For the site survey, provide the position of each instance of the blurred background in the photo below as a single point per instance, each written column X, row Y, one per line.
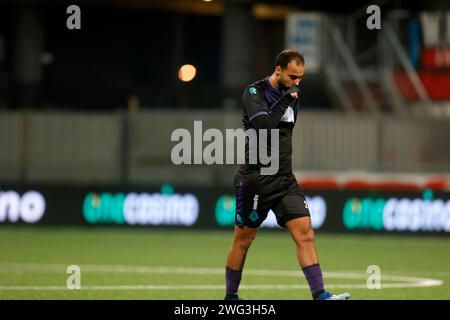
column 86, row 114
column 91, row 92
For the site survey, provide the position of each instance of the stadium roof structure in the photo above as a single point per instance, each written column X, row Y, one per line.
column 261, row 8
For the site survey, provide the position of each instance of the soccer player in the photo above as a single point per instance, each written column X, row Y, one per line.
column 272, row 103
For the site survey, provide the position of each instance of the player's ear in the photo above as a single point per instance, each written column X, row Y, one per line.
column 278, row 70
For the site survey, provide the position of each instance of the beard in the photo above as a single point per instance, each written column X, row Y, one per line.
column 282, row 85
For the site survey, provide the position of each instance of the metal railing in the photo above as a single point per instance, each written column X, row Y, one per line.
column 340, row 65
column 377, row 64
column 392, row 47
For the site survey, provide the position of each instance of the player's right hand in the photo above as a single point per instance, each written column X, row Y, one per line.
column 293, row 91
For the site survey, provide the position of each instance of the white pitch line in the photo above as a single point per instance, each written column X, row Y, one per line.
column 406, row 282
column 202, row 287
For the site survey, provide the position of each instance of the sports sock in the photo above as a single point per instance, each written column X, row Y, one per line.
column 314, row 277
column 233, row 278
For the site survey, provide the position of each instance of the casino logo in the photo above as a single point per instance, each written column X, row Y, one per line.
column 30, row 207
column 426, row 214
column 165, row 208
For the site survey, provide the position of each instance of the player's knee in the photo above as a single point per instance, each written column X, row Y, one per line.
column 306, row 234
column 244, row 242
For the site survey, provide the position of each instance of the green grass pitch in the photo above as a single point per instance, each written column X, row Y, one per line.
column 189, row 264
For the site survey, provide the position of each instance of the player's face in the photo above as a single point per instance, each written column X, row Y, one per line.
column 290, row 76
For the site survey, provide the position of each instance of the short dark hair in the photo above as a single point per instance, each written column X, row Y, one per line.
column 288, row 55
